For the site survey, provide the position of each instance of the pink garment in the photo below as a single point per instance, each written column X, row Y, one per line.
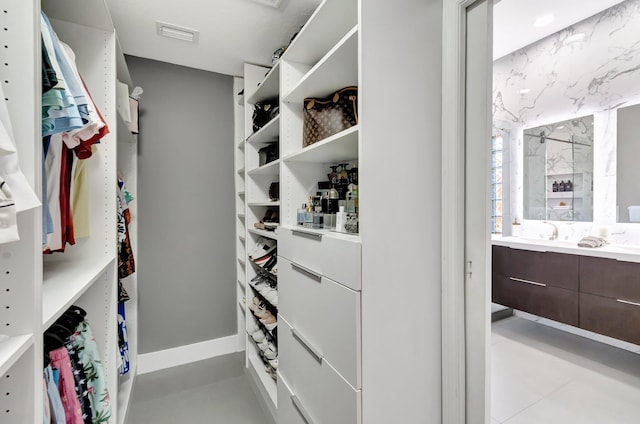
column 67, row 385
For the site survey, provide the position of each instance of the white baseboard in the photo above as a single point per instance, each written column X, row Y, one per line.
column 159, row 360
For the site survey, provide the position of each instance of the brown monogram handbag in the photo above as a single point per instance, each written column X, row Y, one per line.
column 328, row 116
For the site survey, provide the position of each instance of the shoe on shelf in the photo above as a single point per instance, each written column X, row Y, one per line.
column 274, row 363
column 258, row 336
column 270, row 263
column 272, row 297
column 263, row 345
column 252, row 326
column 263, row 260
column 267, row 316
column 264, row 247
column 257, row 304
column 271, row 351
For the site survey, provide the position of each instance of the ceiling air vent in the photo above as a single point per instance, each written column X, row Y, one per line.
column 272, row 3
column 165, row 29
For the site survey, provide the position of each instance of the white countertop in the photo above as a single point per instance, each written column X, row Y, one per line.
column 618, row 252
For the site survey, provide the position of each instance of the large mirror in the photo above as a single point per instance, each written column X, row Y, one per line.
column 628, row 170
column 558, row 171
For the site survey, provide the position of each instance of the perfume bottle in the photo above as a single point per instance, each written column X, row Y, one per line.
column 318, row 218
column 301, row 213
column 308, row 215
column 352, row 199
column 341, row 219
column 333, row 175
column 554, row 187
column 332, row 206
column 568, row 186
column 561, row 186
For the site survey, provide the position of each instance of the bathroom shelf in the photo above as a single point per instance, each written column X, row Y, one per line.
column 565, row 195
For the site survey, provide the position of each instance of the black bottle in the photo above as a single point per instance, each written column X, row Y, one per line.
column 568, row 186
column 555, row 186
column 561, row 186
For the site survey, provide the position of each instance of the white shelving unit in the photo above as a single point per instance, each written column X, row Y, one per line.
column 37, row 288
column 241, row 194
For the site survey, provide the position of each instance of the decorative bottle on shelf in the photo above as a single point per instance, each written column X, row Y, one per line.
column 568, row 186
column 308, row 215
column 301, row 212
column 555, row 187
column 561, row 186
column 352, row 199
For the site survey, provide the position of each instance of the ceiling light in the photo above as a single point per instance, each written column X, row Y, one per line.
column 524, row 90
column 575, row 38
column 272, row 3
column 174, row 31
column 543, row 20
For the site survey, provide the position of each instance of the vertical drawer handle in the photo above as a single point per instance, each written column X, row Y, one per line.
column 307, row 271
column 306, row 234
column 627, row 302
column 305, row 343
column 527, row 281
column 301, row 409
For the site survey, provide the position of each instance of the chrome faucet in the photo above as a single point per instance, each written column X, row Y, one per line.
column 554, row 234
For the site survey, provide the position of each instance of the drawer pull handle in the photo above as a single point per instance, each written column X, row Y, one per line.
column 301, row 409
column 627, row 302
column 305, row 343
column 527, row 281
column 306, row 234
column 306, row 271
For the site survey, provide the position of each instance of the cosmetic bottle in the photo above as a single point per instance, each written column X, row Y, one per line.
column 515, row 228
column 308, row 215
column 318, row 218
column 568, row 186
column 561, row 186
column 341, row 219
column 301, row 213
column 332, row 207
column 352, row 199
column 555, row 187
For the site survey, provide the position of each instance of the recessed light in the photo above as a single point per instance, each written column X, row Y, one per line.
column 524, row 90
column 575, row 38
column 543, row 20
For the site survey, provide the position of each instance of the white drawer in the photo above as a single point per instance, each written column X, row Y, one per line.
column 323, row 394
column 290, row 409
column 336, row 256
column 326, row 313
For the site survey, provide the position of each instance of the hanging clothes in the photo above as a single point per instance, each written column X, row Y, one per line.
column 66, row 385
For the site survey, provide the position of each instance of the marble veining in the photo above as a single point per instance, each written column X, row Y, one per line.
column 556, row 79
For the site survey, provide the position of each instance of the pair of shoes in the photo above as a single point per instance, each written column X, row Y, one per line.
column 264, row 247
column 269, row 264
column 271, row 352
column 261, row 262
column 258, row 336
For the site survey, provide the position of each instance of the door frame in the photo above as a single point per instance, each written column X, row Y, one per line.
column 456, row 384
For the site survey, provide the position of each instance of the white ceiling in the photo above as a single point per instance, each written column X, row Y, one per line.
column 236, row 31
column 231, row 31
column 513, row 20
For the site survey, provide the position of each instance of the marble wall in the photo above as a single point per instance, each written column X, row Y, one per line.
column 590, row 68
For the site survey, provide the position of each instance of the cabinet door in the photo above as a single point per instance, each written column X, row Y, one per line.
column 610, row 278
column 611, row 317
column 553, row 269
column 546, row 301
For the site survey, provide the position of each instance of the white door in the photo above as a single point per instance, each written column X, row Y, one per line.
column 478, row 83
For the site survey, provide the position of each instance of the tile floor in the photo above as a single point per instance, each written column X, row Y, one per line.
column 542, row 375
column 214, row 391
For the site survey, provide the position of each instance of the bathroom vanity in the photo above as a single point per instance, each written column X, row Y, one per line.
column 594, row 289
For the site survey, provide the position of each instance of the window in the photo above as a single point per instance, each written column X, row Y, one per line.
column 496, row 184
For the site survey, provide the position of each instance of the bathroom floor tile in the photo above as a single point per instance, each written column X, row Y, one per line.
column 592, row 399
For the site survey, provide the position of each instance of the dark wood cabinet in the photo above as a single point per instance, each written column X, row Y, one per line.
column 596, row 294
column 611, row 317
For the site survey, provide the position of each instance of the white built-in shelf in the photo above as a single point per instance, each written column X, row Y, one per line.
column 241, row 193
column 564, row 195
column 264, row 233
column 339, row 147
column 123, row 133
column 322, row 31
column 242, row 238
column 276, row 203
column 241, row 261
column 336, row 70
column 125, row 391
column 242, row 306
column 241, row 145
column 241, row 215
column 259, row 367
column 12, row 349
column 272, row 168
column 267, row 134
column 65, row 281
column 241, row 100
column 242, row 284
column 269, row 88
column 240, row 171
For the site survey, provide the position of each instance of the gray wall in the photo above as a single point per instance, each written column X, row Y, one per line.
column 186, row 270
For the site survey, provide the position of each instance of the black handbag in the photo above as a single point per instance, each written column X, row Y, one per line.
column 328, row 116
column 264, row 112
column 268, row 154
